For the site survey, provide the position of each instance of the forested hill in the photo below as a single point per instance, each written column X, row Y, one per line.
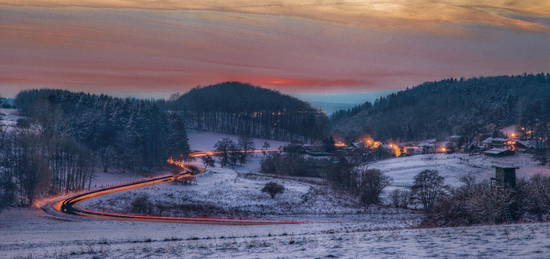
column 451, row 106
column 239, row 97
column 239, row 108
column 120, row 133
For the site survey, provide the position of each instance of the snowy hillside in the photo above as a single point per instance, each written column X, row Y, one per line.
column 223, row 192
column 454, row 166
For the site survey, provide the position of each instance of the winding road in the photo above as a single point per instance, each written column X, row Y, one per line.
column 70, row 205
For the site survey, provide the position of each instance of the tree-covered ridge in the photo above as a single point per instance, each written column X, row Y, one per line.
column 452, row 106
column 239, row 97
column 238, row 108
column 122, row 133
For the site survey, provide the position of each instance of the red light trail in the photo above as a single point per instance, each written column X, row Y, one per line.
column 69, row 205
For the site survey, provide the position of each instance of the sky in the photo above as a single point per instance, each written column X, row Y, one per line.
column 330, row 50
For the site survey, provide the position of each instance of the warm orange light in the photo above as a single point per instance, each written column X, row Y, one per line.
column 442, row 150
column 511, row 144
column 396, row 149
column 368, row 142
column 340, row 144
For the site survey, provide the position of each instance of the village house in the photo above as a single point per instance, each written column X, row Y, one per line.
column 491, row 142
column 428, row 146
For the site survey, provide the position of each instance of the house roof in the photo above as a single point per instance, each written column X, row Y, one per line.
column 497, row 151
column 490, row 140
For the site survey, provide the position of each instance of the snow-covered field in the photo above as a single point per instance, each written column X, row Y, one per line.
column 236, row 193
column 233, row 193
column 454, row 166
column 27, row 233
column 205, row 141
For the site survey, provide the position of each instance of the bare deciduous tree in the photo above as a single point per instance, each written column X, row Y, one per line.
column 226, row 148
column 428, row 187
column 400, row 198
column 371, row 183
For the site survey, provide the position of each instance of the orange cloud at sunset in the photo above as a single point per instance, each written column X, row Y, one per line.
column 385, row 13
column 351, row 46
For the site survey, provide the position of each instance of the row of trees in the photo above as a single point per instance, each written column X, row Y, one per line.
column 238, row 108
column 127, row 134
column 33, row 164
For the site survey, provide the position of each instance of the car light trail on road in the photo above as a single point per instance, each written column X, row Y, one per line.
column 69, row 205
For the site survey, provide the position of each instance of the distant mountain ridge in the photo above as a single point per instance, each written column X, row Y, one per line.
column 451, row 106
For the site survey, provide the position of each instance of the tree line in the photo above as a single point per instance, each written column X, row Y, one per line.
column 230, row 152
column 238, row 108
column 33, row 164
column 127, row 134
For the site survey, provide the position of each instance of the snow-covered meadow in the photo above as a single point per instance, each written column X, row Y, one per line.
column 27, row 233
column 229, row 193
column 454, row 166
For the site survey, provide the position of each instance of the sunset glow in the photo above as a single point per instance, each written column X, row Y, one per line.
column 162, row 47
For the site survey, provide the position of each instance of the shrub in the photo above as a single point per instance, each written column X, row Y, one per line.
column 482, row 203
column 472, row 204
column 273, row 188
column 23, row 123
column 141, row 204
column 287, row 164
column 371, row 184
column 400, row 198
column 536, row 195
column 428, row 188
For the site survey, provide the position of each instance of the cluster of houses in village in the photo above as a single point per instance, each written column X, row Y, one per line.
column 490, row 146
